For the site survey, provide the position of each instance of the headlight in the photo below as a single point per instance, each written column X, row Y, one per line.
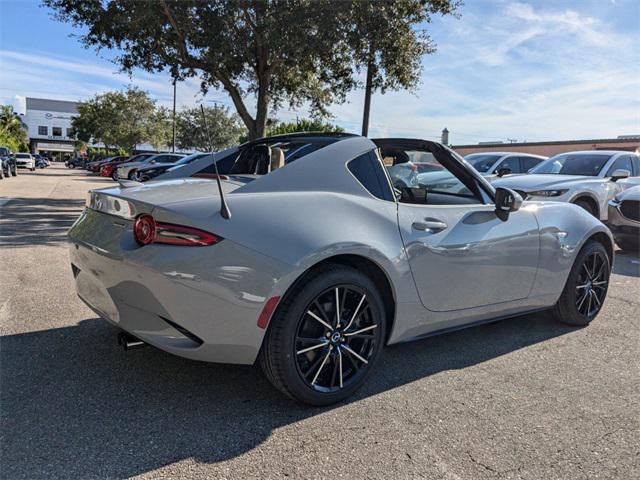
column 547, row 193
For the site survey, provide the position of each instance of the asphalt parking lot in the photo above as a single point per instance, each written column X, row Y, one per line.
column 523, row 398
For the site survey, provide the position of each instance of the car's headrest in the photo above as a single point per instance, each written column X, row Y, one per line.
column 277, row 158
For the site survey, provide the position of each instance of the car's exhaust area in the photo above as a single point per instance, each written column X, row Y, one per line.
column 129, row 342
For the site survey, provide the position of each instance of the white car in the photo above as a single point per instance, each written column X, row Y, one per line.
column 503, row 163
column 25, row 160
column 589, row 179
column 128, row 170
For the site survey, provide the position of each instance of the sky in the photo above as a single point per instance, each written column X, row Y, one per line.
column 503, row 70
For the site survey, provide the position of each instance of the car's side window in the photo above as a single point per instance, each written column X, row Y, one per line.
column 419, row 178
column 512, row 163
column 635, row 161
column 529, row 162
column 623, row 163
column 368, row 171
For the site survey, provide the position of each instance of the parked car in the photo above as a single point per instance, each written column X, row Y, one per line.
column 503, row 163
column 129, row 170
column 624, row 219
column 310, row 267
column 94, row 167
column 41, row 162
column 74, row 162
column 147, row 173
column 589, row 179
column 25, row 160
column 110, row 169
column 8, row 166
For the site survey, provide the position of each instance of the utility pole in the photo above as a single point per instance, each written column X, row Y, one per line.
column 173, row 142
column 367, row 98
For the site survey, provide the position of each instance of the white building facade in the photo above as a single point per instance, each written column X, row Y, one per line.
column 48, row 124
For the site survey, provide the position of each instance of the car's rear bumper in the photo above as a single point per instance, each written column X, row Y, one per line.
column 201, row 303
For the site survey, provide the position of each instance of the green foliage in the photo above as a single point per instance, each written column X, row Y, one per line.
column 223, row 127
column 303, row 125
column 121, row 119
column 274, row 51
column 295, row 52
column 12, row 131
column 388, row 37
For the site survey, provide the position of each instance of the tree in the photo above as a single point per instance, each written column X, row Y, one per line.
column 386, row 44
column 122, row 119
column 304, row 125
column 224, row 129
column 12, row 131
column 273, row 51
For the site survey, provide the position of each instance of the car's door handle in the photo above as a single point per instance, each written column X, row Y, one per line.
column 430, row 225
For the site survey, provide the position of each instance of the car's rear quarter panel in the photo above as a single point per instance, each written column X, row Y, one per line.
column 215, row 292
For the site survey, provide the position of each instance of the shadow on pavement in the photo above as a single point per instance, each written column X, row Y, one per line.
column 626, row 264
column 74, row 405
column 26, row 222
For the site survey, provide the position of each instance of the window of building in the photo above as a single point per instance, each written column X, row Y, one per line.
column 43, row 130
column 57, row 131
column 70, row 132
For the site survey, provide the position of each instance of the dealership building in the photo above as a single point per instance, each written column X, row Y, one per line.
column 628, row 143
column 48, row 123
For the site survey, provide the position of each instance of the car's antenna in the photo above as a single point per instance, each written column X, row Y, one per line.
column 224, row 209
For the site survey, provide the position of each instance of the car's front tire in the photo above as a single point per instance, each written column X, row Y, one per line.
column 132, row 175
column 587, row 205
column 114, row 175
column 308, row 353
column 586, row 287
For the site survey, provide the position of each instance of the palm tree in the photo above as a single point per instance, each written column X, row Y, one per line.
column 12, row 131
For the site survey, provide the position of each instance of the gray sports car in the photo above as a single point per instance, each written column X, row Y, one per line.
column 303, row 253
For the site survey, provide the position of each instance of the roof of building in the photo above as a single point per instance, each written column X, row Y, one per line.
column 45, row 104
column 627, row 139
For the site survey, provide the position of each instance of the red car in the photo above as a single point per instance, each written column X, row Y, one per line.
column 110, row 169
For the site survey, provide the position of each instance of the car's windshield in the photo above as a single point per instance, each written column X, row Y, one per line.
column 482, row 162
column 23, row 155
column 573, row 164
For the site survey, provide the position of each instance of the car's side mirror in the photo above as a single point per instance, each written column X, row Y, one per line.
column 507, row 201
column 503, row 171
column 619, row 174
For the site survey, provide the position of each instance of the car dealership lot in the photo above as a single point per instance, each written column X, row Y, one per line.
column 522, row 398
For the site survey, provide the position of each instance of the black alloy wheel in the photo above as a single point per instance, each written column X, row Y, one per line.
column 336, row 338
column 586, row 287
column 593, row 280
column 325, row 336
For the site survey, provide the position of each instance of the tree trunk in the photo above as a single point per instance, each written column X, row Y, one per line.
column 367, row 98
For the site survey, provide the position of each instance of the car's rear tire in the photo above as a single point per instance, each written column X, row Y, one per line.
column 312, row 363
column 586, row 288
column 132, row 175
column 587, row 205
column 114, row 175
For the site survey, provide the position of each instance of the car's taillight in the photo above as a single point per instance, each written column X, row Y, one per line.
column 146, row 230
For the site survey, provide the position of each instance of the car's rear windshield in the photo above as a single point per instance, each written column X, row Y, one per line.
column 573, row 164
column 482, row 162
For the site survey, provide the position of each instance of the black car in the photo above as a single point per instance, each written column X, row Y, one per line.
column 7, row 163
column 147, row 173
